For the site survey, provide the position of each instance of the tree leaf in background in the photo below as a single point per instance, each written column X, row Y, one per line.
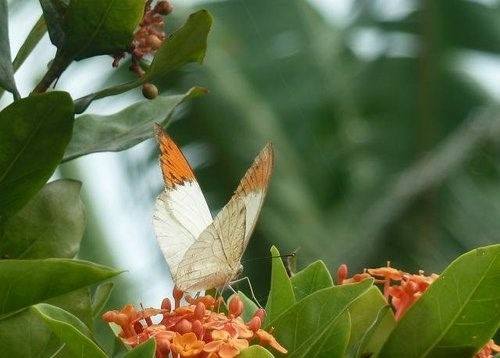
column 30, row 129
column 311, row 279
column 27, row 282
column 51, row 224
column 103, row 27
column 146, row 350
column 72, row 331
column 53, row 13
column 188, row 44
column 319, row 325
column 457, row 314
column 124, row 129
column 7, row 80
column 281, row 295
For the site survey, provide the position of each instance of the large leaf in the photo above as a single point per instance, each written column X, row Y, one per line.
column 124, row 129
column 188, row 44
column 50, row 225
column 42, row 342
column 27, row 282
column 281, row 294
column 100, row 27
column 311, row 279
column 457, row 314
column 34, row 132
column 6, row 70
column 70, row 330
column 319, row 325
column 372, row 321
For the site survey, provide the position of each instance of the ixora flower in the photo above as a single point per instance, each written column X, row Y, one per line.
column 401, row 290
column 198, row 329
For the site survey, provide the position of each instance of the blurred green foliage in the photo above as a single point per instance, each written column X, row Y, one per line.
column 385, row 156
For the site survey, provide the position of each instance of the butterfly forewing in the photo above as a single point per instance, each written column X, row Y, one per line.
column 253, row 188
column 181, row 212
column 214, row 259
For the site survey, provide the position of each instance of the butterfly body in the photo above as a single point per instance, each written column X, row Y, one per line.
column 202, row 252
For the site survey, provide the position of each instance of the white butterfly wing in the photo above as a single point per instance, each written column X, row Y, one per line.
column 181, row 212
column 214, row 258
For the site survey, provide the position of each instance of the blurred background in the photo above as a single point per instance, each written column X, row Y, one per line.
column 383, row 115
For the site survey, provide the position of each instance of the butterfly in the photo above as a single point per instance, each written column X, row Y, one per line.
column 204, row 252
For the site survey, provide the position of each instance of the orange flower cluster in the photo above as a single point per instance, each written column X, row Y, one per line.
column 195, row 330
column 402, row 289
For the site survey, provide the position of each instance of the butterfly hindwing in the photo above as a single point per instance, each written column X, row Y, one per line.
column 214, row 258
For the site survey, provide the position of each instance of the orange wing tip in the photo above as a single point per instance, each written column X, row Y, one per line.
column 257, row 177
column 174, row 166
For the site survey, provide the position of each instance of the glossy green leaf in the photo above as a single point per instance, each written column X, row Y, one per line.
column 372, row 321
column 281, row 295
column 146, row 349
column 15, row 328
column 100, row 27
column 124, row 129
column 457, row 314
column 27, row 282
column 34, row 132
column 51, row 224
column 255, row 351
column 311, row 279
column 319, row 325
column 53, row 13
column 72, row 331
column 188, row 44
column 7, row 80
column 101, row 297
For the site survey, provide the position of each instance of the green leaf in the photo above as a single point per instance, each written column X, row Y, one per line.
column 457, row 314
column 50, row 225
column 124, row 129
column 101, row 297
column 186, row 45
column 34, row 132
column 319, row 325
column 281, row 294
column 42, row 342
column 53, row 13
column 249, row 306
column 255, row 351
column 311, row 279
column 70, row 330
column 372, row 321
column 27, row 282
column 146, row 349
column 100, row 27
column 7, row 80
column 33, row 38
